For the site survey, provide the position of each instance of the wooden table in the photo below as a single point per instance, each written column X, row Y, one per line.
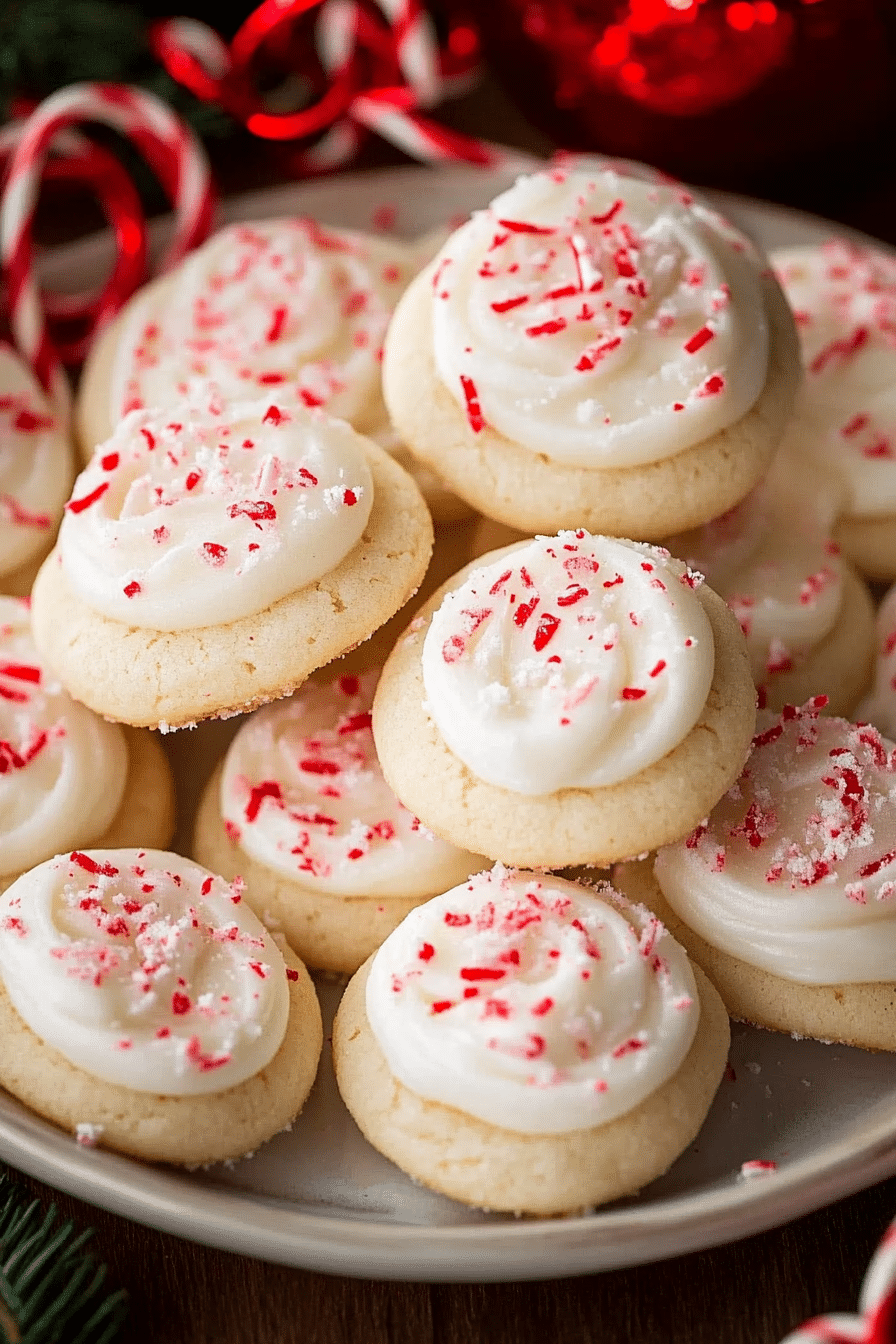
column 751, row 1292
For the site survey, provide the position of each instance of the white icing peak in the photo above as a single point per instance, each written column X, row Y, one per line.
column 533, row 1003
column 844, row 303
column 303, row 793
column 795, row 869
column 36, row 463
column 63, row 769
column 568, row 662
column 213, row 514
column 284, row 307
column 773, row 561
column 144, row 969
column 599, row 320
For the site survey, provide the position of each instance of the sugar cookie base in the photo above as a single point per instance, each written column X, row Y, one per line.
column 571, row 826
column 870, row 543
column 479, row 1164
column 841, row 665
column 329, row 933
column 863, row 1015
column 534, row 493
column 145, row 817
column 186, row 1131
column 172, row 679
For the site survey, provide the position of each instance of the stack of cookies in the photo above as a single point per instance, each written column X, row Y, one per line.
column 590, row 383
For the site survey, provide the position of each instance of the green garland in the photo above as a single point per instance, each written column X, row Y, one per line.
column 51, row 1290
column 46, row 44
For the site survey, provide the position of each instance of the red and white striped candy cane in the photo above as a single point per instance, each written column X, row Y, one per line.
column 170, row 148
column 876, row 1323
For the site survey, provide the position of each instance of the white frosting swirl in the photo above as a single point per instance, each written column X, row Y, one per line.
column 532, row 1003
column 63, row 769
column 143, row 969
column 303, row 793
column 880, row 704
column 773, row 561
column 213, row 514
column 599, row 320
column 36, row 465
column 569, row 662
column 844, row 303
column 283, row 308
column 795, row 870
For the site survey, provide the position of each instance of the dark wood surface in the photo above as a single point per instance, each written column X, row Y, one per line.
column 751, row 1292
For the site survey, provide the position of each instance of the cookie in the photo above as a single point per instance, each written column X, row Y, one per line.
column 68, row 779
column 525, row 1044
column 299, row 809
column 37, row 468
column 784, row 896
column 807, row 617
column 595, row 351
column 566, row 701
column 210, row 563
column 844, row 299
column 283, row 307
column 142, row 999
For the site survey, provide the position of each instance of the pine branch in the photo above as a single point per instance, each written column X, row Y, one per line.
column 51, row 1290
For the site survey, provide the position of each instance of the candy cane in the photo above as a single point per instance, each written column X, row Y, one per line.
column 877, row 1304
column 89, row 164
column 165, row 142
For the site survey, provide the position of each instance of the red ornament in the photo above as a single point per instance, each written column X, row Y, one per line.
column 706, row 89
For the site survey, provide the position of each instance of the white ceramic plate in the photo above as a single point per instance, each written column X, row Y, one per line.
column 320, row 1197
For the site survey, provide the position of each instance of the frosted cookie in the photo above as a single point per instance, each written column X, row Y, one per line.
column 566, row 701
column 879, row 706
column 300, row 809
column 595, row 351
column 139, row 995
column 807, row 617
column 37, row 468
column 210, row 562
column 284, row 308
column 522, row 1043
column 68, row 778
column 844, row 302
column 786, row 895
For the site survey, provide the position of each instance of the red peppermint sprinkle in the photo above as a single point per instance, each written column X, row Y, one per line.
column 608, row 215
column 523, row 226
column 550, row 328
column 274, row 416
column 27, row 422
column 269, row 788
column 625, row 267
column 857, row 423
column 842, row 349
column 628, row 1047
column 870, row 869
column 193, row 480
column 291, row 974
column 427, row 952
column 524, row 611
column 481, row 973
column 456, row 921
column 547, row 628
column 658, row 668
column 314, row 765
column 713, row 386
column 632, row 693
column 213, row 553
column 349, row 685
column 474, row 411
column 569, row 599
column 309, row 399
column 278, row 321
column 201, row 1060
column 258, row 511
column 150, row 439
column 355, row 723
column 543, row 1006
column 132, row 589
column 442, row 1006
column 698, row 340
column 109, row 462
column 180, row 1003
column 349, row 498
column 505, row 305
column 597, row 352
column 21, row 672
column 91, row 866
column 79, row 505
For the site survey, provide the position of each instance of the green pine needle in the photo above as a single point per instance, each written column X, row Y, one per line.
column 51, row 1290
